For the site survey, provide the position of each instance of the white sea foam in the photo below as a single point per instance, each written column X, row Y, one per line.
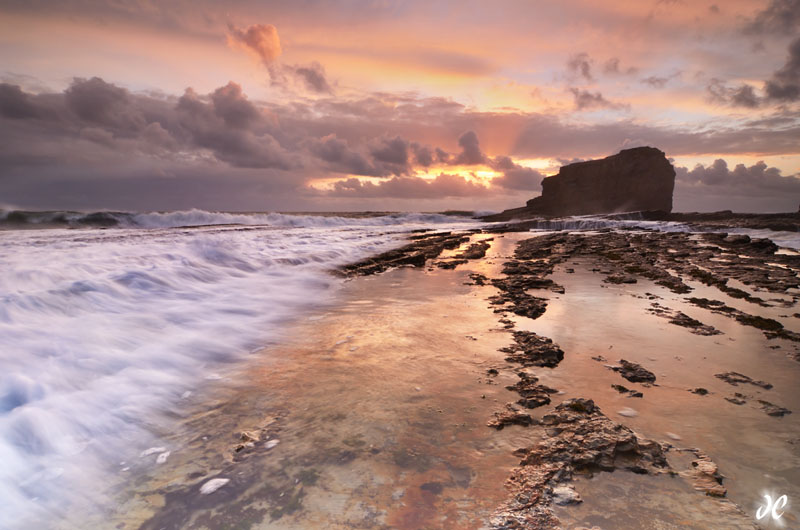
column 100, row 330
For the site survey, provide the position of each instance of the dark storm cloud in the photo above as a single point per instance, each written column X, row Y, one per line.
column 581, row 65
column 444, row 185
column 780, row 16
column 586, row 100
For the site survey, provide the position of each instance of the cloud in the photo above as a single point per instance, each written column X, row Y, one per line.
column 340, row 157
column 659, row 81
column 471, row 153
column 782, row 87
column 15, row 104
column 423, row 154
column 51, row 137
column 581, row 64
column 232, row 106
column 515, row 177
column 95, row 101
column 742, row 96
column 443, row 186
column 585, row 100
column 313, row 76
column 785, row 83
column 756, row 180
column 612, row 67
column 262, row 41
column 392, row 153
column 259, row 39
column 779, row 17
column 228, row 140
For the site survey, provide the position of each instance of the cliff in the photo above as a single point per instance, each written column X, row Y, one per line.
column 638, row 179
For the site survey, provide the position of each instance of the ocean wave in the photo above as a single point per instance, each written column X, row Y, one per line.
column 191, row 218
column 101, row 333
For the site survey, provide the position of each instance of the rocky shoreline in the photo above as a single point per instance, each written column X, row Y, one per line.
column 578, row 437
column 462, row 361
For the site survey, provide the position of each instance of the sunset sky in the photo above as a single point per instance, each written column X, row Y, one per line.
column 390, row 105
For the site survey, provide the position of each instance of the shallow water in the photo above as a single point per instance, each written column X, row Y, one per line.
column 380, row 403
column 103, row 332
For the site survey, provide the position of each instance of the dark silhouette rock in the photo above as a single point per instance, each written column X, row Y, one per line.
column 638, row 179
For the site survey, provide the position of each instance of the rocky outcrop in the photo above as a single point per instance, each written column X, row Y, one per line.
column 638, row 179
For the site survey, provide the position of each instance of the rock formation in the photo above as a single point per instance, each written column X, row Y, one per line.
column 638, row 179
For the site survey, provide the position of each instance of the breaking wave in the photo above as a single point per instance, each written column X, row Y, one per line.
column 102, row 331
column 66, row 219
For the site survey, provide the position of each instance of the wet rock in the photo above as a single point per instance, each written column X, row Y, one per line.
column 415, row 254
column 737, row 399
column 682, row 319
column 582, row 439
column 510, row 416
column 767, row 325
column 507, row 324
column 635, row 373
column 705, row 475
column 624, row 390
column 478, row 279
column 620, row 279
column 734, row 378
column 773, row 410
column 533, row 394
column 520, row 303
column 450, row 264
column 530, row 349
column 475, row 250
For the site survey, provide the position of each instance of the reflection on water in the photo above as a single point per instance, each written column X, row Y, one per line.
column 374, row 414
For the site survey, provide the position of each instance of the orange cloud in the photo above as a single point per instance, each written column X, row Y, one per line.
column 260, row 39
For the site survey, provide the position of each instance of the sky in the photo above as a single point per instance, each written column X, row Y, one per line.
column 256, row 105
